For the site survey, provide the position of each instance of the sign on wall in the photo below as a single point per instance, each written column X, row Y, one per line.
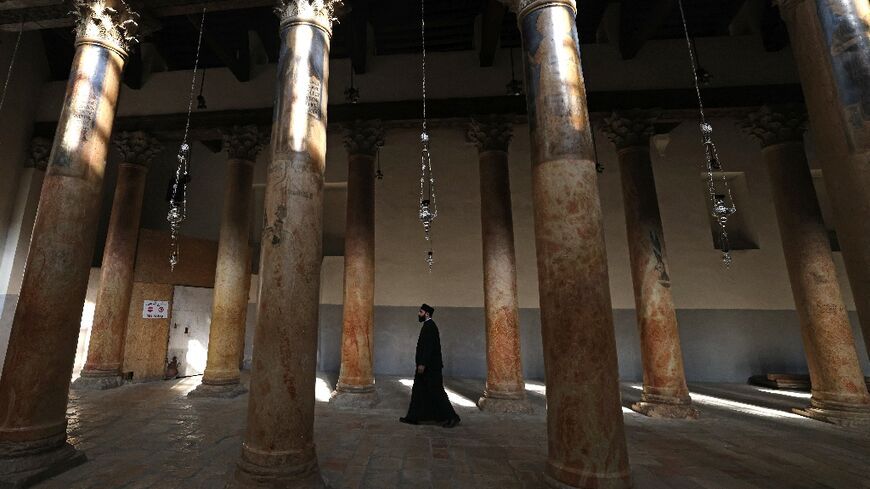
column 155, row 309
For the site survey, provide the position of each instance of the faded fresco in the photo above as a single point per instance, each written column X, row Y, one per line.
column 846, row 31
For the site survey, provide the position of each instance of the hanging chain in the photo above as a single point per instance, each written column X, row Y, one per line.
column 12, row 63
column 423, row 37
column 178, row 196
column 721, row 209
column 428, row 206
column 379, row 174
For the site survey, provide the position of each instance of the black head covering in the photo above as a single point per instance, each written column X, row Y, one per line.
column 428, row 308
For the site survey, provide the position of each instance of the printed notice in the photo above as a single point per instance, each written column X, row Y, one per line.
column 155, row 309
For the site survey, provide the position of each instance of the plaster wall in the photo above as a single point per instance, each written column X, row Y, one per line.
column 16, row 125
column 720, row 346
column 16, row 204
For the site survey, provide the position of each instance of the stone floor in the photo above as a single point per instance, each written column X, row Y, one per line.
column 151, row 435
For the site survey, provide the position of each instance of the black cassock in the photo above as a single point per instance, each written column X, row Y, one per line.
column 429, row 401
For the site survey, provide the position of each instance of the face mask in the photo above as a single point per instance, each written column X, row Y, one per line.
column 420, row 319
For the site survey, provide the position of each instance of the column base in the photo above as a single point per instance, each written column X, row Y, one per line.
column 665, row 410
column 219, row 391
column 27, row 470
column 619, row 482
column 288, row 471
column 498, row 405
column 354, row 397
column 88, row 381
column 840, row 417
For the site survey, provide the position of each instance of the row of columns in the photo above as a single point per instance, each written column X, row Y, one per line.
column 586, row 441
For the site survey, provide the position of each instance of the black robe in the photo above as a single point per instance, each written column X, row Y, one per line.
column 429, row 401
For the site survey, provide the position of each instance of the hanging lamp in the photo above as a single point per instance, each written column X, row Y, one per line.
column 351, row 93
column 428, row 210
column 722, row 204
column 177, row 194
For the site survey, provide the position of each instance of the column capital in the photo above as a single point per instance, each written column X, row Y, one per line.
column 137, row 147
column 523, row 7
column 40, row 149
column 629, row 128
column 490, row 133
column 320, row 12
column 112, row 23
column 363, row 137
column 243, row 142
column 778, row 124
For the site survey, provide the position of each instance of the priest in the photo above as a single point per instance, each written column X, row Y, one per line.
column 429, row 401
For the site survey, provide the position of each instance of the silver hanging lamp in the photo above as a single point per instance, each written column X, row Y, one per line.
column 722, row 203
column 428, row 210
column 178, row 188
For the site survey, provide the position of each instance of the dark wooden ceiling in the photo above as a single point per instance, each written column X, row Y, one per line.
column 393, row 27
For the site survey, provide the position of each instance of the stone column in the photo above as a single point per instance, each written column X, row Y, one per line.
column 831, row 44
column 665, row 394
column 39, row 362
column 106, row 348
column 232, row 281
column 356, row 381
column 505, row 390
column 839, row 394
column 586, row 438
column 278, row 449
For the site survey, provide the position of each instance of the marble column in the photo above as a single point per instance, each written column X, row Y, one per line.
column 586, row 436
column 106, row 347
column 278, row 448
column 39, row 361
column 356, row 380
column 505, row 390
column 232, row 282
column 839, row 394
column 830, row 40
column 665, row 394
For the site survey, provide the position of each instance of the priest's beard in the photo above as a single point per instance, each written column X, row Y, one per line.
column 420, row 319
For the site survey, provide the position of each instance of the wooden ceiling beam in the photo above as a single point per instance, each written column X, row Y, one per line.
column 589, row 18
column 47, row 14
column 359, row 35
column 637, row 23
column 134, row 69
column 676, row 104
column 490, row 30
column 233, row 48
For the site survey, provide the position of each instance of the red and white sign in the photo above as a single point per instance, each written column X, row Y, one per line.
column 155, row 309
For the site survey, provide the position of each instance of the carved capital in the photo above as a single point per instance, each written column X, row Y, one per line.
column 137, row 147
column 40, row 149
column 776, row 124
column 630, row 128
column 363, row 137
column 321, row 12
column 110, row 22
column 523, row 7
column 492, row 133
column 243, row 142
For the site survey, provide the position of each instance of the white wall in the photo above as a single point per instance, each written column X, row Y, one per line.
column 16, row 185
